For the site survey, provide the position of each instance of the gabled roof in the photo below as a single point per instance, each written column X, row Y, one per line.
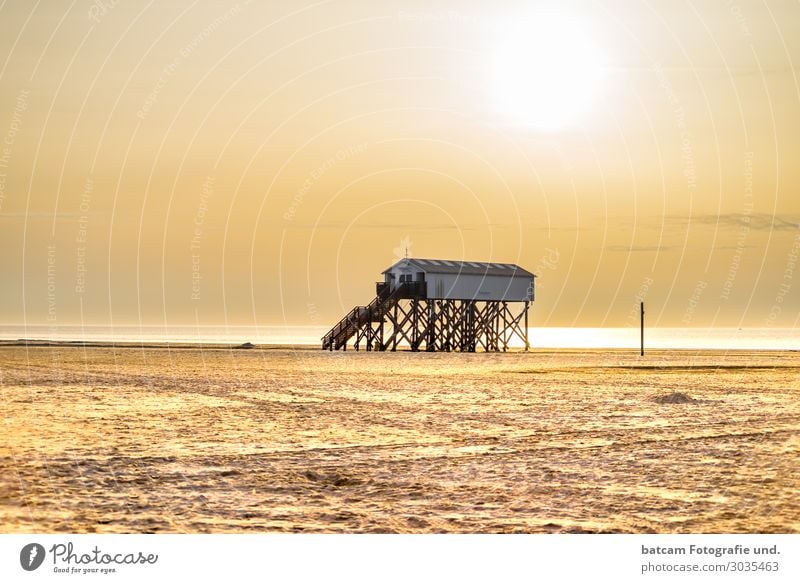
column 465, row 267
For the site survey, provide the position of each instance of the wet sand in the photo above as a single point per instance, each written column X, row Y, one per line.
column 157, row 439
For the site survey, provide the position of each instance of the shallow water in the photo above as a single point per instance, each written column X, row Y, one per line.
column 215, row 440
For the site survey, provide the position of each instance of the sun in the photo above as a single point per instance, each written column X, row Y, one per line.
column 545, row 71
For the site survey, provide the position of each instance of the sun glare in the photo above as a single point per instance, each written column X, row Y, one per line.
column 546, row 71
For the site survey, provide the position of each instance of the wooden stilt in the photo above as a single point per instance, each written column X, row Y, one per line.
column 527, row 344
column 641, row 330
column 436, row 325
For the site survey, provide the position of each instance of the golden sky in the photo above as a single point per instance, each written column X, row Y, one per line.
column 204, row 162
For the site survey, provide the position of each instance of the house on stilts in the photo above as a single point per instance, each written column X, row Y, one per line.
column 441, row 305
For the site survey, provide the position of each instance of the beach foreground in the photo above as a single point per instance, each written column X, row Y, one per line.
column 107, row 439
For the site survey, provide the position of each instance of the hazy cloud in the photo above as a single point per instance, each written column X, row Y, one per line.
column 630, row 248
column 389, row 226
column 754, row 221
column 39, row 216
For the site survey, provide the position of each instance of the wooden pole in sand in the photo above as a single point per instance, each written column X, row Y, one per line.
column 641, row 330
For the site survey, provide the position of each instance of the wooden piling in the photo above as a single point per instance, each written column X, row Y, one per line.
column 641, row 330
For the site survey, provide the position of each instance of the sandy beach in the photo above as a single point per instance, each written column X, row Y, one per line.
column 158, row 439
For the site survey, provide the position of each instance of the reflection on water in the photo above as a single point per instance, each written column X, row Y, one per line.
column 545, row 337
column 215, row 440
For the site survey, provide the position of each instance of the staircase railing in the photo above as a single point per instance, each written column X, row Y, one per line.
column 360, row 315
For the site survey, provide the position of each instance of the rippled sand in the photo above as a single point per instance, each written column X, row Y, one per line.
column 190, row 440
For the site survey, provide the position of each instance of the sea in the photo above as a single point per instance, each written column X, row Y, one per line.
column 544, row 337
